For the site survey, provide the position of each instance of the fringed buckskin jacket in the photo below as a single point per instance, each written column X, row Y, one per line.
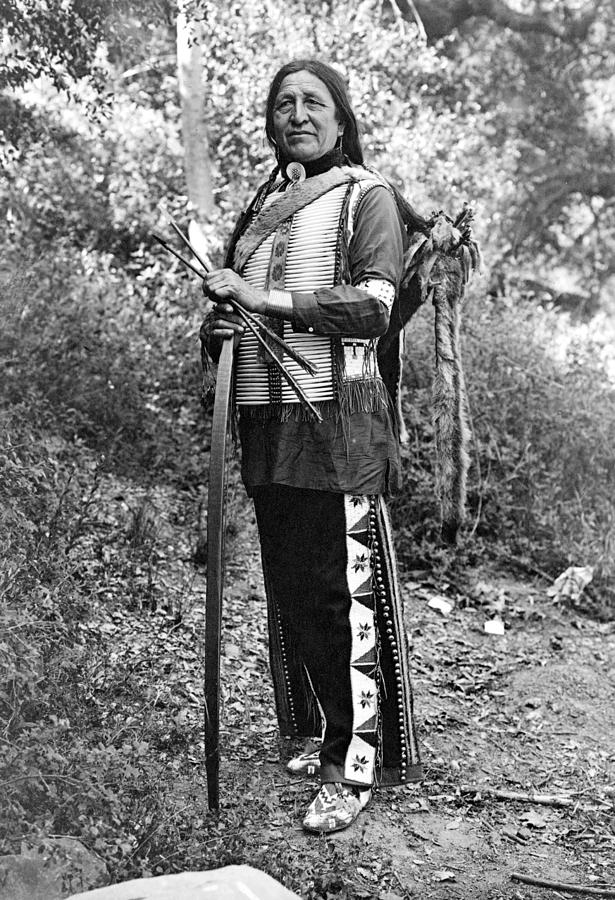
column 336, row 242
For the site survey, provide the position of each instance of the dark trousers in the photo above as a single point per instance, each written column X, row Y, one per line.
column 337, row 645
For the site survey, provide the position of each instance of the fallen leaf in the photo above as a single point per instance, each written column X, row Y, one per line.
column 441, row 604
column 494, row 626
column 571, row 583
column 533, row 819
column 366, row 874
column 444, row 875
column 412, row 585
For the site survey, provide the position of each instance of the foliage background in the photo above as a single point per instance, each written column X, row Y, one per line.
column 100, row 363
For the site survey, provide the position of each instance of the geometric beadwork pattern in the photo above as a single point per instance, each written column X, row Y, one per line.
column 382, row 290
column 361, row 755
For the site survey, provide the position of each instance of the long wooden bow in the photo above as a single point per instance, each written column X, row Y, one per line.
column 216, row 505
column 215, row 569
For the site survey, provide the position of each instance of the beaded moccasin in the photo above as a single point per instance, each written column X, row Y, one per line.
column 335, row 806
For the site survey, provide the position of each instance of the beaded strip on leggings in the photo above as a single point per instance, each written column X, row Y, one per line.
column 383, row 601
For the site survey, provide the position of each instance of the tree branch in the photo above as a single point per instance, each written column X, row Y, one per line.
column 441, row 17
column 551, row 194
column 522, row 796
column 562, row 886
column 408, row 10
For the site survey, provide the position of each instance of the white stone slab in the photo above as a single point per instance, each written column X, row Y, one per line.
column 229, row 883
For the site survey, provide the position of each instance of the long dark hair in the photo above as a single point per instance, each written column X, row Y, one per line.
column 338, row 90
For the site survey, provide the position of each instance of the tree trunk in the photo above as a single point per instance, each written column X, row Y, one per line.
column 197, row 165
column 196, row 147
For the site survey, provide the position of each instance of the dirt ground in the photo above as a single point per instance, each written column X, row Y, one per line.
column 530, row 711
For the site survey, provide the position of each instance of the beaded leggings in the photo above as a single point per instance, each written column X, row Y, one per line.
column 337, row 642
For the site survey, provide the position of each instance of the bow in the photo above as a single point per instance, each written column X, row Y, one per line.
column 216, row 505
column 215, row 569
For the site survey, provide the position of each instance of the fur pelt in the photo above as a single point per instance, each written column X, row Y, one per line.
column 449, row 396
column 439, row 260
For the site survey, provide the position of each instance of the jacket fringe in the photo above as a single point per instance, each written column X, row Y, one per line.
column 356, row 395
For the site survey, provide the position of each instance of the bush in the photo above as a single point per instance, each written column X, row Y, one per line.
column 39, row 598
column 108, row 359
column 542, row 482
column 70, row 761
column 100, row 380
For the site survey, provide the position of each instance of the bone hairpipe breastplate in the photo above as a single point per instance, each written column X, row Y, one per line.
column 310, row 265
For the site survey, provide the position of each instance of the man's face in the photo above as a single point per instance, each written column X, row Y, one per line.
column 305, row 119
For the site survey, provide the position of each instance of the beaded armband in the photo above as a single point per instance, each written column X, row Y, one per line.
column 382, row 290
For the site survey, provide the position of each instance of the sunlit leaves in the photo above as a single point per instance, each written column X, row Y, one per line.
column 57, row 38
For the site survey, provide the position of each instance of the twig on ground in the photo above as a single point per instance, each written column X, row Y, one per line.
column 544, row 799
column 6, row 783
column 150, row 834
column 560, row 886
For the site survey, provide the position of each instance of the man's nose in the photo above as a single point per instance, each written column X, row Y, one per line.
column 299, row 112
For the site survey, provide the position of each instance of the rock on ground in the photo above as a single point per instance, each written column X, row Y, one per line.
column 229, row 883
column 65, row 865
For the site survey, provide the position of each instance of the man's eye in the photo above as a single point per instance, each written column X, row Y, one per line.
column 283, row 105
